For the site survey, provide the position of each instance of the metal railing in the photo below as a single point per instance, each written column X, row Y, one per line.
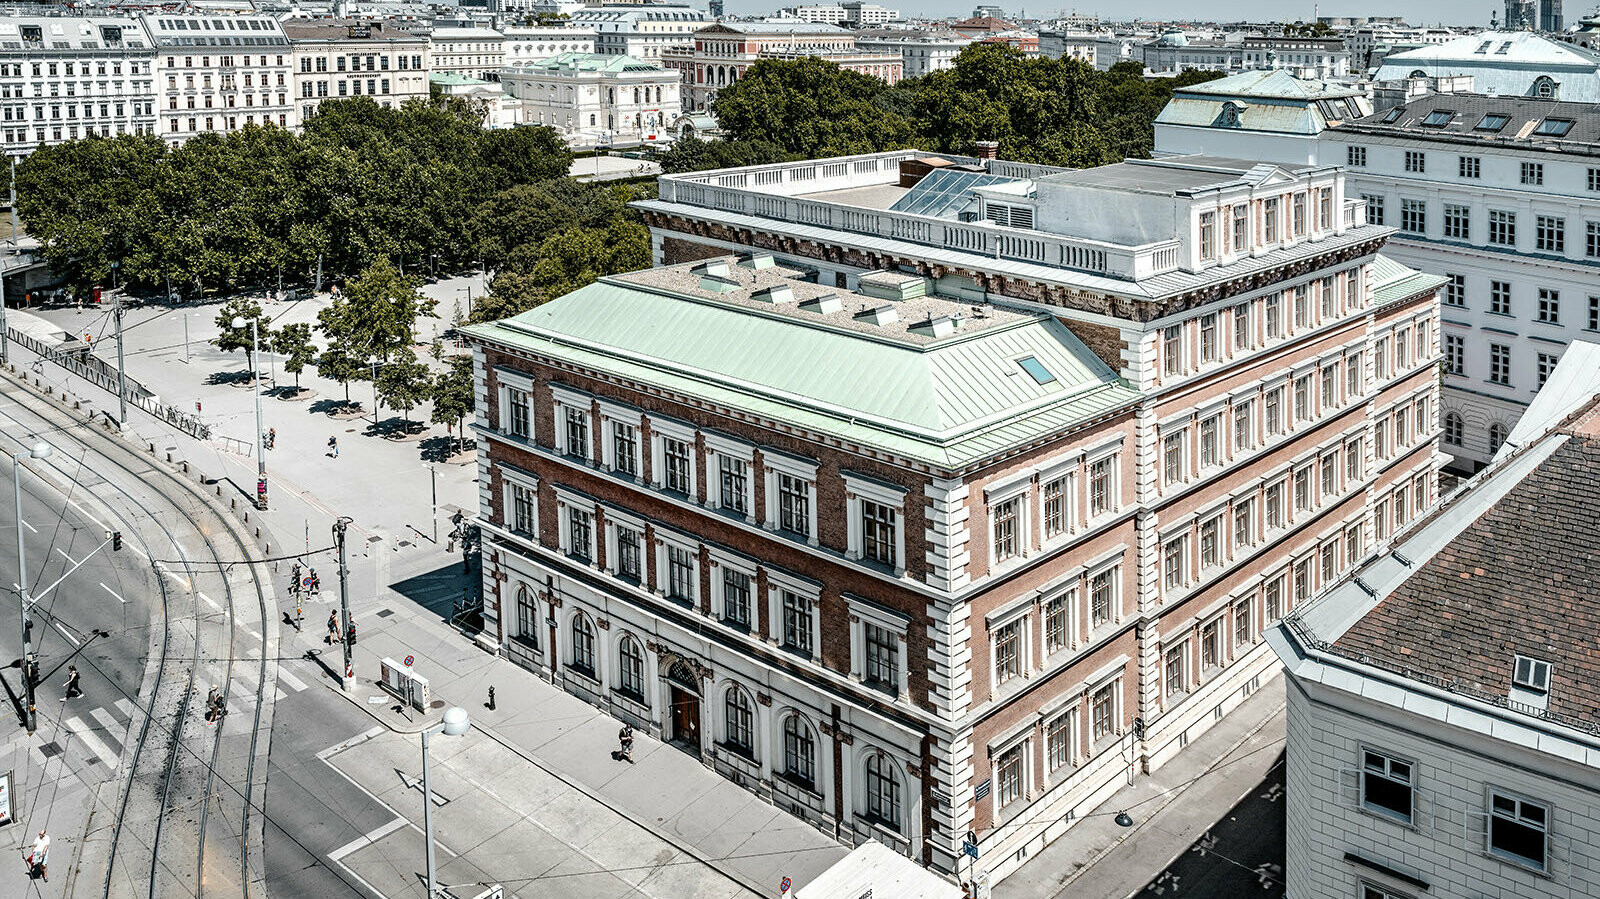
column 103, row 374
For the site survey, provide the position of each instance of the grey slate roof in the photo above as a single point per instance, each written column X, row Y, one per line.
column 1524, row 115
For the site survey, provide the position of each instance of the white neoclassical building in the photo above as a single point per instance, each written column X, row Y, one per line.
column 526, row 44
column 591, row 98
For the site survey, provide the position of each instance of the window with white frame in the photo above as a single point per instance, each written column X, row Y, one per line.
column 630, row 668
column 1329, row 303
column 1519, row 830
column 882, row 791
column 1009, row 648
column 678, row 569
column 518, row 421
column 1211, row 644
column 624, row 448
column 1243, row 425
column 1103, row 712
column 1328, row 472
column 799, row 752
column 579, row 532
column 1241, row 228
column 673, row 457
column 1175, row 670
column 1373, row 891
column 793, row 616
column 527, row 617
column 791, row 495
column 1060, row 738
column 1173, row 466
column 1241, row 327
column 1244, row 510
column 1302, row 307
column 1387, row 785
column 1242, row 633
column 523, row 500
column 1175, row 562
column 729, row 463
column 875, row 530
column 1274, row 404
column 1006, row 529
column 1010, row 775
column 1354, row 376
column 582, row 650
column 1058, row 621
column 1056, row 497
column 1272, row 599
column 1208, row 338
column 1102, row 485
column 1210, row 441
column 1274, row 504
column 575, row 434
column 1302, row 399
column 738, row 718
column 1172, row 349
column 734, row 588
column 1274, row 316
column 1103, row 589
column 1211, row 542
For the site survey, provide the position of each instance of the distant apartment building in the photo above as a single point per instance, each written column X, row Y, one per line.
column 920, row 51
column 852, row 13
column 526, row 44
column 923, row 495
column 1176, row 51
column 643, row 32
column 591, row 98
column 1362, row 41
column 471, row 52
column 721, row 54
column 220, row 73
column 374, row 60
column 1442, row 733
column 1070, row 45
column 1535, row 15
column 65, row 78
column 1307, row 57
column 1505, row 63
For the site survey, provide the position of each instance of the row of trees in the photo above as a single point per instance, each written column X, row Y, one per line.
column 367, row 335
column 1050, row 111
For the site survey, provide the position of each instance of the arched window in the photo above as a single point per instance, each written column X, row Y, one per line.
column 799, row 752
column 630, row 668
column 582, row 644
column 527, row 617
column 739, row 718
column 1454, row 428
column 1417, row 73
column 883, row 791
column 1497, row 437
column 1544, row 87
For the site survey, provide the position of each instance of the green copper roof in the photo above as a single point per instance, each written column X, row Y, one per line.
column 596, row 62
column 948, row 401
column 1392, row 280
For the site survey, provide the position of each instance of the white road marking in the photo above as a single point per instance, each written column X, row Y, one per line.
column 92, row 742
column 279, row 695
column 104, row 717
column 367, row 839
column 30, row 527
column 252, row 633
column 289, row 680
column 65, row 556
column 66, row 633
column 126, row 708
column 209, row 601
column 112, row 592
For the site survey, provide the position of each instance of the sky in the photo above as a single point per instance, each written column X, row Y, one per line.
column 1416, row 12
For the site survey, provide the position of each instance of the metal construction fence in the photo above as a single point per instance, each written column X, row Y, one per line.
column 104, row 375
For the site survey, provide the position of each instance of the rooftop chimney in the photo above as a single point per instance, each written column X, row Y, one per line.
column 987, row 150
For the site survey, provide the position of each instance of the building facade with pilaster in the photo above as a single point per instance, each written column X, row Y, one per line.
column 65, row 78
column 949, row 493
column 220, row 73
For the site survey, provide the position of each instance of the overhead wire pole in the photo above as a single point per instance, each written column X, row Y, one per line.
column 28, row 665
column 344, row 602
column 122, row 389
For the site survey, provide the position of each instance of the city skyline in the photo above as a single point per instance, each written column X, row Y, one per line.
column 1416, row 12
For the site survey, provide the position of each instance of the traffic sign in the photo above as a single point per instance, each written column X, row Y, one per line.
column 410, row 660
column 307, row 581
column 784, row 887
column 969, row 848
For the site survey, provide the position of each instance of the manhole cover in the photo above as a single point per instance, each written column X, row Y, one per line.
column 385, row 613
column 50, row 750
column 436, row 704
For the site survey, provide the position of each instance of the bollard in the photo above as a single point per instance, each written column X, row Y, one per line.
column 233, row 505
column 186, row 467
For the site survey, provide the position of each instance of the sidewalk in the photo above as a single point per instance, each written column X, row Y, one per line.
column 402, row 588
column 1171, row 809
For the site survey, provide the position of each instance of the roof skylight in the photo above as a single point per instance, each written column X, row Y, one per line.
column 1036, row 370
column 1394, row 115
column 1553, row 128
column 1491, row 122
column 1438, row 118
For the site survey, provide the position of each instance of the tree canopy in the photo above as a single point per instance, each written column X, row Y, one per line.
column 1049, row 111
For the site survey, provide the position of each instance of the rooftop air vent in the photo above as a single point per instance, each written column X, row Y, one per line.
column 776, row 294
column 716, row 284
column 715, row 267
column 943, row 326
column 878, row 315
column 827, row 304
column 757, row 261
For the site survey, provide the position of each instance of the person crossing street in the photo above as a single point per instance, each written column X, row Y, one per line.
column 39, row 858
column 333, row 627
column 73, row 688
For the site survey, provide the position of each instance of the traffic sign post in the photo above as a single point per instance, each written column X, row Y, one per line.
column 783, row 888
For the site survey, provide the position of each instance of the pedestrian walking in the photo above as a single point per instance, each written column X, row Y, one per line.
column 213, row 703
column 333, row 447
column 625, row 737
column 316, row 583
column 333, row 628
column 294, row 579
column 73, row 690
column 39, row 857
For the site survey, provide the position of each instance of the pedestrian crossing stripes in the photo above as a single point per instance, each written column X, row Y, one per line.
column 97, row 748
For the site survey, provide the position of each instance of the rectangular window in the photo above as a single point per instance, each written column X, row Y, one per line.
column 580, row 528
column 1500, row 297
column 1243, row 522
column 1533, row 173
column 1416, row 161
column 1272, row 598
column 1594, row 314
column 735, row 597
column 1210, row 549
column 1241, row 229
column 883, row 657
column 1456, row 225
column 1208, row 337
column 1550, row 234
column 877, row 532
column 1274, row 503
column 1591, row 239
column 680, row 574
column 1355, row 156
column 1470, row 167
column 1414, row 216
column 1176, row 673
column 1102, row 711
column 1008, row 651
column 628, row 553
column 522, row 518
column 1059, row 740
column 624, row 449
column 1210, row 644
column 1241, row 326
column 1298, row 215
column 1100, row 487
column 796, row 622
column 1549, row 306
column 1172, row 457
column 1208, row 235
column 1055, row 508
column 1455, row 290
column 1519, row 830
column 1502, row 228
column 1172, row 349
column 1455, row 354
column 1274, row 307
column 1329, row 308
column 1175, row 562
column 794, row 505
column 1275, row 411
column 676, row 474
column 1241, row 623
column 1209, row 441
column 577, row 432
column 1007, row 516
column 1374, row 208
column 1499, row 363
column 1329, row 378
column 1386, row 785
column 1008, row 770
column 1594, row 179
column 734, row 483
column 1243, row 430
column 1102, row 597
column 1547, row 364
column 1302, row 307
column 518, row 420
column 1302, row 398
column 1269, row 221
column 1055, row 624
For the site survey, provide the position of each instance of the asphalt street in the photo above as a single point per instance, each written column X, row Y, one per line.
column 1242, row 855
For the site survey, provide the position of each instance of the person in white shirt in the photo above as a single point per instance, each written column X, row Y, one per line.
column 40, row 857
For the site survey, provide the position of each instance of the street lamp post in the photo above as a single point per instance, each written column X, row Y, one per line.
column 255, row 383
column 454, row 724
column 39, row 451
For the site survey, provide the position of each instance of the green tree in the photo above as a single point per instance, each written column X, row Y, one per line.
column 452, row 395
column 375, row 320
column 575, row 257
column 524, row 215
column 404, row 385
column 691, row 154
column 234, row 338
column 811, row 107
column 294, row 343
column 337, row 365
column 510, row 294
column 512, row 156
column 91, row 202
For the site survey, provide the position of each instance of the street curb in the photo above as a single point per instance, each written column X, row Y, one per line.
column 1167, row 800
column 736, row 876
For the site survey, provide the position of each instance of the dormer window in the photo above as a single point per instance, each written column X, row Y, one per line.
column 1492, row 122
column 1438, row 118
column 1553, row 128
column 1531, row 674
column 1230, row 115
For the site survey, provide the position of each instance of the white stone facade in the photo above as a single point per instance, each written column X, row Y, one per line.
column 471, row 52
column 335, row 61
column 220, row 73
column 64, row 78
column 591, row 98
column 529, row 43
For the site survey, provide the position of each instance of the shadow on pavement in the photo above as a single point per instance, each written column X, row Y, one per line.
column 1241, row 855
